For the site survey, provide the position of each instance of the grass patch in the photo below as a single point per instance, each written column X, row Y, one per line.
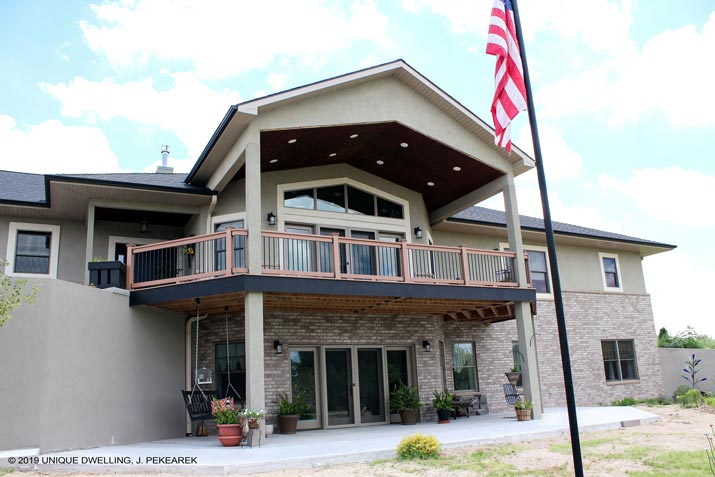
column 632, row 453
column 7, row 470
column 653, row 401
column 675, row 464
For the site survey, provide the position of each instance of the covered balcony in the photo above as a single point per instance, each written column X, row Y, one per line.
column 301, row 272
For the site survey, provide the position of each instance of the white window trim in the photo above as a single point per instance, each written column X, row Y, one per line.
column 115, row 239
column 601, row 256
column 220, row 219
column 341, row 219
column 503, row 246
column 16, row 227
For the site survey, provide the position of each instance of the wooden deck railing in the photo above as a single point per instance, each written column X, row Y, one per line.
column 291, row 254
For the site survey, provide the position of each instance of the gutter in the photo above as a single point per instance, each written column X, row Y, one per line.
column 212, row 142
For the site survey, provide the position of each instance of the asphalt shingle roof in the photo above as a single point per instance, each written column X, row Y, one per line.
column 22, row 187
column 481, row 215
column 174, row 181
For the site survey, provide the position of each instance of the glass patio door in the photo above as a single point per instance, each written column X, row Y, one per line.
column 304, row 385
column 354, row 386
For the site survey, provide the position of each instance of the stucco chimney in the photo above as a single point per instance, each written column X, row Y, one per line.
column 164, row 168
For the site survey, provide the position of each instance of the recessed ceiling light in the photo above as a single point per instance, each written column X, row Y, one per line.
column 430, row 183
column 333, row 154
column 379, row 163
column 456, row 168
column 404, row 144
column 353, row 136
column 292, row 141
column 273, row 161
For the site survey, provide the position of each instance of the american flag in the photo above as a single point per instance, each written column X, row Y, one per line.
column 510, row 92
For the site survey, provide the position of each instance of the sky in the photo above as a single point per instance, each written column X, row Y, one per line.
column 623, row 92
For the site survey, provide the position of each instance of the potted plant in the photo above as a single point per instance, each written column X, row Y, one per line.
column 443, row 402
column 513, row 375
column 287, row 414
column 226, row 414
column 523, row 409
column 406, row 401
column 253, row 417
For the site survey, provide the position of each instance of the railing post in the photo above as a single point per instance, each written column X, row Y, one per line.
column 336, row 255
column 130, row 266
column 528, row 271
column 465, row 264
column 405, row 259
column 229, row 251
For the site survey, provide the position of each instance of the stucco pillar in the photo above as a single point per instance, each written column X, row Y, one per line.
column 255, row 367
column 89, row 244
column 254, row 212
column 524, row 321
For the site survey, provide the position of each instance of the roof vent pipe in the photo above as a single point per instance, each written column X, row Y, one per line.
column 164, row 167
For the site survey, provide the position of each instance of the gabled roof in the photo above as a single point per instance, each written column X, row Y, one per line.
column 483, row 216
column 27, row 189
column 243, row 112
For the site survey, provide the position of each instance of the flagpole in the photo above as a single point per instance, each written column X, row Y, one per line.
column 556, row 281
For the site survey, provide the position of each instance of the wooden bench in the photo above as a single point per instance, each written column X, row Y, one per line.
column 467, row 403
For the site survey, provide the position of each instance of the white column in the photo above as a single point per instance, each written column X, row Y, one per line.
column 524, row 320
column 254, row 211
column 89, row 244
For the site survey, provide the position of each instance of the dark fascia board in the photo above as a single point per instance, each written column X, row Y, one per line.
column 124, row 185
column 212, row 142
column 21, row 203
column 568, row 234
column 269, row 283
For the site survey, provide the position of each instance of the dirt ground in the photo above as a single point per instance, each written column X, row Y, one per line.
column 608, row 453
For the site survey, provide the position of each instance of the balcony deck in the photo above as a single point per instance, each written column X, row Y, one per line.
column 305, row 272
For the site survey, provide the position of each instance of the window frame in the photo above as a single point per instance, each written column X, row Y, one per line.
column 619, row 360
column 619, row 276
column 504, row 246
column 475, row 368
column 17, row 227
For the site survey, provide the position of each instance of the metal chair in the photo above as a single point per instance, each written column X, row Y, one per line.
column 511, row 394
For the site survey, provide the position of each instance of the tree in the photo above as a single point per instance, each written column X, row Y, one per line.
column 13, row 294
column 685, row 339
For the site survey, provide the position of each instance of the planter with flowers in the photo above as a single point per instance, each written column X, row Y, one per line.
column 254, row 417
column 523, row 409
column 227, row 422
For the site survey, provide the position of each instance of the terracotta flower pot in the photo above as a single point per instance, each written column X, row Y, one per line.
column 513, row 377
column 254, row 424
column 229, row 434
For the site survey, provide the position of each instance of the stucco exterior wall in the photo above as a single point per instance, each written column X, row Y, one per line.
column 82, row 369
column 673, row 361
column 103, row 229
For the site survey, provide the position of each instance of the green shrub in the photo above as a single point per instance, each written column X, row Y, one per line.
column 657, row 401
column 710, row 401
column 692, row 398
column 627, row 401
column 682, row 389
column 418, row 446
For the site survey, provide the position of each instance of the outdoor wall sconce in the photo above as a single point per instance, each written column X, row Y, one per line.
column 271, row 217
column 418, row 232
column 426, row 345
column 143, row 226
column 278, row 347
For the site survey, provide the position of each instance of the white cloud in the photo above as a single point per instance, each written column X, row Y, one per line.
column 53, row 147
column 677, row 282
column 224, row 38
column 189, row 108
column 679, row 196
column 560, row 160
column 634, row 84
column 602, row 25
column 277, row 81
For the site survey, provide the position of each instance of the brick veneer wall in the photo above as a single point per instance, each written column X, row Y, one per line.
column 591, row 317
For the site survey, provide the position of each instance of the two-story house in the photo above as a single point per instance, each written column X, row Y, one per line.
column 325, row 245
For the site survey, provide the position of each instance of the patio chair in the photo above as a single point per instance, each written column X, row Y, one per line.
column 511, row 394
column 198, row 406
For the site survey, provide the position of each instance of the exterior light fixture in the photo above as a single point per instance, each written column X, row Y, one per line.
column 418, row 232
column 278, row 346
column 143, row 226
column 271, row 217
column 404, row 144
column 426, row 345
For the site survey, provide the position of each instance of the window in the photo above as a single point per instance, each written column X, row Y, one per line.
column 610, row 272
column 538, row 271
column 619, row 360
column 516, row 356
column 464, row 367
column 231, row 361
column 344, row 199
column 33, row 249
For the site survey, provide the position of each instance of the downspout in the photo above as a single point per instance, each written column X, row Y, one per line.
column 214, row 199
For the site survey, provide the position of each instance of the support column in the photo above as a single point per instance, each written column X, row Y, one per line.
column 254, row 211
column 524, row 320
column 89, row 244
column 255, row 358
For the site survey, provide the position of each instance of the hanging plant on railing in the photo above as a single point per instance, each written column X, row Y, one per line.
column 188, row 250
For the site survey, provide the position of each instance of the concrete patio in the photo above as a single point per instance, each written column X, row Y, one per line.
column 325, row 447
